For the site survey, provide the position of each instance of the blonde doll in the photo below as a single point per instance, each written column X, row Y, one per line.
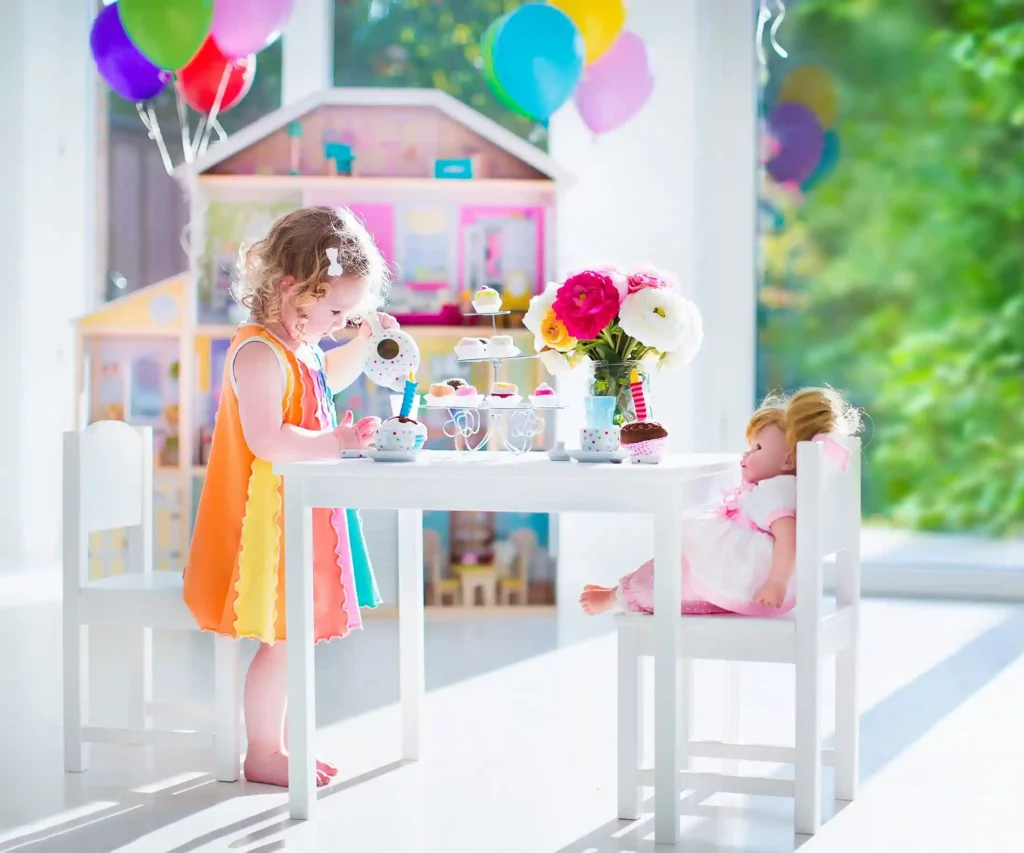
column 740, row 558
column 315, row 271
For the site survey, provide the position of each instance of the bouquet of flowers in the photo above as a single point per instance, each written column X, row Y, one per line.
column 618, row 321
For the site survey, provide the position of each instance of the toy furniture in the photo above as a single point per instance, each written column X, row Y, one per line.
column 440, row 586
column 514, row 576
column 476, row 578
column 108, row 484
column 445, row 481
column 828, row 522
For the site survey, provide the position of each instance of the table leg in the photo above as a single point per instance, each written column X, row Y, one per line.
column 410, row 629
column 668, row 558
column 298, row 572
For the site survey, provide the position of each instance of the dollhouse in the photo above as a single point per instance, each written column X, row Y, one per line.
column 453, row 200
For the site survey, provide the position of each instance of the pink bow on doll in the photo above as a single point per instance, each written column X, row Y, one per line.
column 834, row 451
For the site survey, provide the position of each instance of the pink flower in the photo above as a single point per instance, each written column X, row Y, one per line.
column 642, row 279
column 586, row 303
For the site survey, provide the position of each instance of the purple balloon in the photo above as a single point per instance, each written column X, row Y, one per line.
column 615, row 88
column 120, row 63
column 242, row 27
column 801, row 143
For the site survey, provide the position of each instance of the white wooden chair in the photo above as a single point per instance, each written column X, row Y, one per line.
column 108, row 484
column 828, row 522
column 514, row 574
column 440, row 586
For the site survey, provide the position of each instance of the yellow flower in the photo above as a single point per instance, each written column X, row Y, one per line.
column 554, row 334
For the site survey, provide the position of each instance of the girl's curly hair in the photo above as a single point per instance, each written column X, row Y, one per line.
column 296, row 245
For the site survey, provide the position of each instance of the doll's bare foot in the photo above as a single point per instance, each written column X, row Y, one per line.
column 271, row 768
column 597, row 599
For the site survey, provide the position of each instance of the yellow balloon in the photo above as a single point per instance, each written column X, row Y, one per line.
column 599, row 22
column 814, row 88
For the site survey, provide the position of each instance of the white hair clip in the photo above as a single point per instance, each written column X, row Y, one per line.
column 335, row 269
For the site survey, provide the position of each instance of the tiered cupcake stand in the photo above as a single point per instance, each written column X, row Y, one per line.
column 512, row 427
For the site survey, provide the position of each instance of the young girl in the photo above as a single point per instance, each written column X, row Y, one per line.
column 315, row 271
column 740, row 559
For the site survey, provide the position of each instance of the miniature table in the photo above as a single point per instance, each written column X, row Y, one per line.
column 487, row 482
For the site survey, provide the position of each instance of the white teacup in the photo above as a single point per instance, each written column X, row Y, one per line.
column 601, row 439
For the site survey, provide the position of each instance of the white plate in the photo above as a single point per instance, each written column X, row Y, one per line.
column 393, row 455
column 504, row 402
column 467, row 355
column 599, row 455
column 453, row 402
column 511, row 353
column 548, row 401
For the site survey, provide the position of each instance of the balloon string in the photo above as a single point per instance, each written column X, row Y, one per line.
column 763, row 17
column 152, row 124
column 211, row 119
column 222, row 134
column 779, row 18
column 186, row 142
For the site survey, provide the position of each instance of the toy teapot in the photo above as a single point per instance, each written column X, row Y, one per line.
column 392, row 356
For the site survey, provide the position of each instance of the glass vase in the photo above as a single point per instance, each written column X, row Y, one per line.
column 611, row 379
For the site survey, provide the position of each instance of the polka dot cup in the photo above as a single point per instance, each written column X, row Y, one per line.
column 602, row 439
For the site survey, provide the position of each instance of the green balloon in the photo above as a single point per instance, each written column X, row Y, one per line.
column 167, row 32
column 486, row 53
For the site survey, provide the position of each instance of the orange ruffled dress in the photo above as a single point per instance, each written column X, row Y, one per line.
column 234, row 579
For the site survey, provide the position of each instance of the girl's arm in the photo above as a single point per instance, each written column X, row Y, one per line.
column 773, row 592
column 260, row 386
column 345, row 363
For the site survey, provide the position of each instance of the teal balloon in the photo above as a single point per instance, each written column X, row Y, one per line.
column 537, row 59
column 827, row 164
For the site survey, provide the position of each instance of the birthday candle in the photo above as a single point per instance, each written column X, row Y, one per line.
column 637, row 390
column 408, row 396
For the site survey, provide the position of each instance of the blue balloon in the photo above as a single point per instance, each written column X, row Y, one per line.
column 538, row 58
column 827, row 163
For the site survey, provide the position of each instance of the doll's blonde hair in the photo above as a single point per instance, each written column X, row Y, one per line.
column 805, row 414
column 296, row 245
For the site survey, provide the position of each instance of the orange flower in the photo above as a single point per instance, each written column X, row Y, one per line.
column 554, row 334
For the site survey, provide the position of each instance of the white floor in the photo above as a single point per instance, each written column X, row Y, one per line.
column 520, row 745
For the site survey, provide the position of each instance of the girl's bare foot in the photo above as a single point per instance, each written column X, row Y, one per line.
column 271, row 768
column 597, row 599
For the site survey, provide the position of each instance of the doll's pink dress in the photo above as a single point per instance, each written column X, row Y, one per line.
column 727, row 554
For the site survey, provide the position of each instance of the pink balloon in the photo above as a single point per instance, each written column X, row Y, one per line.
column 242, row 27
column 615, row 88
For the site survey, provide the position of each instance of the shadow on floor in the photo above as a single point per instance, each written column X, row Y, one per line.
column 887, row 730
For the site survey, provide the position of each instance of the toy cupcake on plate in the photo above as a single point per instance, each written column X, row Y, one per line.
column 643, row 439
column 468, row 348
column 487, row 300
column 544, row 397
column 504, row 395
column 467, row 397
column 501, row 346
column 441, row 394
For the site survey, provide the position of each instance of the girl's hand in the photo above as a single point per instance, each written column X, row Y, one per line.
column 359, row 436
column 771, row 594
column 386, row 321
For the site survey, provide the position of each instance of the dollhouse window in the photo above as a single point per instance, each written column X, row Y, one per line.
column 146, row 388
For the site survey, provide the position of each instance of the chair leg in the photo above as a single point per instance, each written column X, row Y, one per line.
column 807, row 755
column 847, row 739
column 630, row 725
column 227, row 735
column 76, row 695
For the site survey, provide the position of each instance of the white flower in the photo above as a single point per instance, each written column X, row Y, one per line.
column 682, row 355
column 539, row 307
column 556, row 363
column 662, row 319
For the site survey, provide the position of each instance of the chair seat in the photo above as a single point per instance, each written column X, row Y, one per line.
column 729, row 636
column 513, row 583
column 138, row 600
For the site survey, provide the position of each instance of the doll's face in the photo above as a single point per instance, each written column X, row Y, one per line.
column 768, row 456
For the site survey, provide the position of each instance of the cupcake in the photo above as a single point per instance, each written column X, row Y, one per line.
column 486, row 301
column 440, row 394
column 456, row 383
column 471, row 348
column 501, row 346
column 643, row 438
column 504, row 394
column 467, row 397
column 401, row 434
column 543, row 396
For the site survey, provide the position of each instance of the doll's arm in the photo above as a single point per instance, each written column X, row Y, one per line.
column 773, row 591
column 260, row 386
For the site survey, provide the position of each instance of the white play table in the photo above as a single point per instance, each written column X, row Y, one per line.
column 486, row 482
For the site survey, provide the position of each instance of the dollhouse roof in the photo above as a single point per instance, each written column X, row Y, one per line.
column 155, row 308
column 354, row 97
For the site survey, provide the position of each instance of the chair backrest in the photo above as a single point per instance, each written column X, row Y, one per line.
column 828, row 515
column 108, row 484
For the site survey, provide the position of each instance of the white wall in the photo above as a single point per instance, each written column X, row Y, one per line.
column 675, row 187
column 48, row 168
